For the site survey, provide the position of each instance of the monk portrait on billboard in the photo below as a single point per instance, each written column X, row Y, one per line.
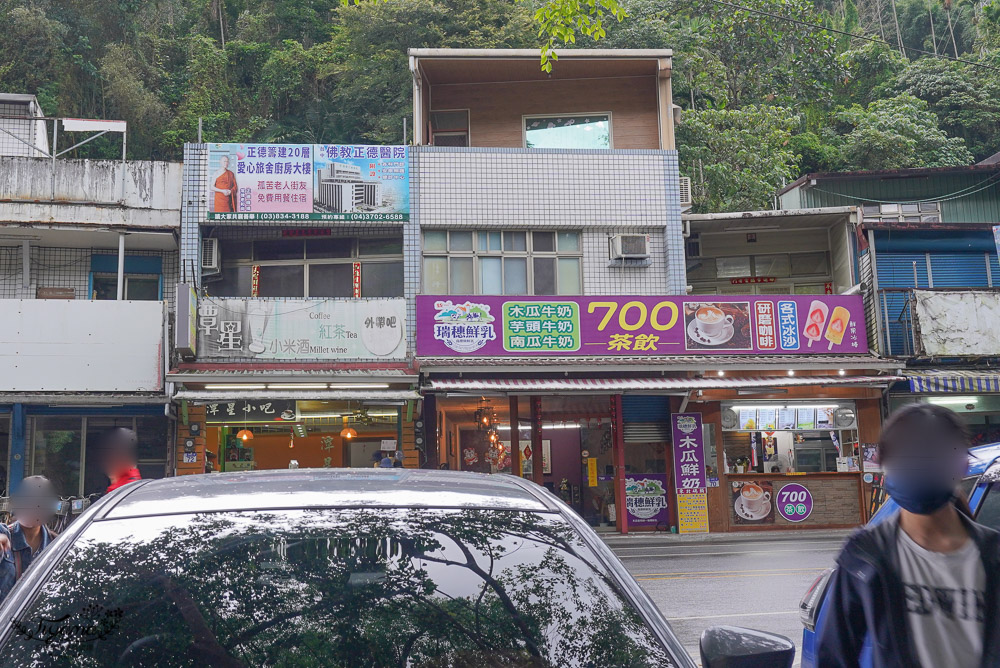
column 224, row 188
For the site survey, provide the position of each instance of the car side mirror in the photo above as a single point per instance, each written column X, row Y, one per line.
column 735, row 647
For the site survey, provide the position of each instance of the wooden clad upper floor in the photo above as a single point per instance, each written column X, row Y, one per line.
column 616, row 99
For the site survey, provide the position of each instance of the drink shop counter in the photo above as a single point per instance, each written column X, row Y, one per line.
column 762, row 501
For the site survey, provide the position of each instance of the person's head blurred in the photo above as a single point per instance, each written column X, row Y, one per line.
column 924, row 451
column 224, row 162
column 34, row 502
column 117, row 450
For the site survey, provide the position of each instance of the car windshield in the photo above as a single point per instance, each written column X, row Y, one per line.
column 332, row 587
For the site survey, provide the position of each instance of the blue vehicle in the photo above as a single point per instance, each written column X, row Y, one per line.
column 983, row 486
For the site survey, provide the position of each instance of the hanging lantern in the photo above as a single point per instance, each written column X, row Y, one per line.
column 244, row 434
column 347, row 431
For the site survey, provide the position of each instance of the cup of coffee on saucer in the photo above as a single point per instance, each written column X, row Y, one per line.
column 711, row 321
column 754, row 498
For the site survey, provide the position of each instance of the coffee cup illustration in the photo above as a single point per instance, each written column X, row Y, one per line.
column 711, row 321
column 754, row 498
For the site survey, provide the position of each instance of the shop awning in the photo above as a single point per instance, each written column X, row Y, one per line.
column 954, row 381
column 210, row 396
column 614, row 385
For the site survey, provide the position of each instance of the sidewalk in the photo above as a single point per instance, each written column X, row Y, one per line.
column 648, row 538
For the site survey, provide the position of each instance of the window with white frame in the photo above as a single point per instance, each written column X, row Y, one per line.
column 902, row 212
column 507, row 262
column 320, row 267
column 591, row 131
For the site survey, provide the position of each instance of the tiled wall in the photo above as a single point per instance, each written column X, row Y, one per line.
column 634, row 277
column 68, row 268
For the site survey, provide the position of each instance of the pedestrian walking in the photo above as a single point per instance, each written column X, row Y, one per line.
column 920, row 589
column 33, row 505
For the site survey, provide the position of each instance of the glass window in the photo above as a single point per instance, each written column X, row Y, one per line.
column 56, row 452
column 930, row 206
column 489, row 241
column 569, row 242
column 771, row 265
column 144, row 289
column 910, row 207
column 490, row 276
column 809, row 264
column 515, row 276
column 281, row 281
column 323, row 587
column 461, row 275
column 380, row 246
column 569, row 276
column 284, row 249
column 890, row 208
column 317, row 249
column 591, row 131
column 700, row 269
column 435, row 275
column 515, row 241
column 545, row 275
column 382, row 279
column 435, row 240
column 870, row 209
column 810, row 289
column 732, row 267
column 543, row 242
column 460, row 241
column 235, row 250
column 235, row 283
column 331, row 280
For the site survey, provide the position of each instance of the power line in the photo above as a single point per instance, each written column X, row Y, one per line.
column 958, row 194
column 849, row 34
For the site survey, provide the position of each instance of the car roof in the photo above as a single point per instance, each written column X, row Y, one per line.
column 311, row 488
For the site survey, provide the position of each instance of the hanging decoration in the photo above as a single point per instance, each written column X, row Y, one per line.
column 486, row 417
column 348, row 432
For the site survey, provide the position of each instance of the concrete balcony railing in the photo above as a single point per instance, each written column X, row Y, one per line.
column 62, row 345
column 103, row 192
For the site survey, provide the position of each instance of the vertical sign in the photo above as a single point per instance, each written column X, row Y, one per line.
column 255, row 280
column 689, row 473
column 592, row 471
column 766, row 339
column 357, row 279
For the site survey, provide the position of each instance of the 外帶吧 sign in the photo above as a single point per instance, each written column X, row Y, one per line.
column 491, row 326
column 302, row 329
column 287, row 182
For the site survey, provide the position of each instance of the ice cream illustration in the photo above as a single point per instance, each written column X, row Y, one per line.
column 816, row 321
column 838, row 326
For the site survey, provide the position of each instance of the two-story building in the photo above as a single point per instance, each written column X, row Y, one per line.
column 927, row 254
column 88, row 269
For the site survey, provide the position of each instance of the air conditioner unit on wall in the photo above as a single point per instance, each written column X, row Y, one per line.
column 629, row 246
column 210, row 255
column 685, row 190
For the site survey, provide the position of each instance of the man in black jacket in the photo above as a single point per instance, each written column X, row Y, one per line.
column 920, row 589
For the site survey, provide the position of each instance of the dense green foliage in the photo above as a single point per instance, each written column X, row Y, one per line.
column 767, row 94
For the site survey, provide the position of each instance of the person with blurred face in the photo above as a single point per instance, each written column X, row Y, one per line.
column 118, row 457
column 919, row 589
column 33, row 505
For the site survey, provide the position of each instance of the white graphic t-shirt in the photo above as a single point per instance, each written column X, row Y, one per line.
column 945, row 603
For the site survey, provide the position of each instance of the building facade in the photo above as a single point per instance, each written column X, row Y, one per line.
column 88, row 269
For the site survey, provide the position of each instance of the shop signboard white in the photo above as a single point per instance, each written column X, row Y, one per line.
column 67, row 345
column 301, row 329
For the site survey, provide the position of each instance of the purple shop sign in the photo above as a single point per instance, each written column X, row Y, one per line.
column 689, row 451
column 491, row 326
column 794, row 502
column 646, row 499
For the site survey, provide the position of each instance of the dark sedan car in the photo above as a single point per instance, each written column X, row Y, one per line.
column 342, row 568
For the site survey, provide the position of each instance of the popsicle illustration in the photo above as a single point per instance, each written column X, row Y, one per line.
column 816, row 321
column 838, row 326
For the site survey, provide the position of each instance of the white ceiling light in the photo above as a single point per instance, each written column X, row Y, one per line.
column 234, row 386
column 953, row 401
column 296, row 386
column 359, row 386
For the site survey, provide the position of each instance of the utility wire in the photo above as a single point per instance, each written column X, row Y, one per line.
column 848, row 34
column 958, row 194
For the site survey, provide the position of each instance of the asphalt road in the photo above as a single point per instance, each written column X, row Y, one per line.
column 754, row 582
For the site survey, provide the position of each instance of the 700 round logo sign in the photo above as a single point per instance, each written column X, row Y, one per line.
column 795, row 503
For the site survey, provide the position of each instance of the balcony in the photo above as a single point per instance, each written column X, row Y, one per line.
column 136, row 194
column 939, row 323
column 63, row 345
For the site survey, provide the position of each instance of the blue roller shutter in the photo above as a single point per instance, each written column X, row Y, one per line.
column 958, row 270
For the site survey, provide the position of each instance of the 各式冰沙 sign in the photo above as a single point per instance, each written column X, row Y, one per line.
column 287, row 182
column 492, row 326
column 302, row 329
column 794, row 502
column 689, row 472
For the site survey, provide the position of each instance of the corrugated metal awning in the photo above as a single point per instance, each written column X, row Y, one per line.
column 614, row 385
column 954, row 381
column 208, row 396
column 760, row 363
